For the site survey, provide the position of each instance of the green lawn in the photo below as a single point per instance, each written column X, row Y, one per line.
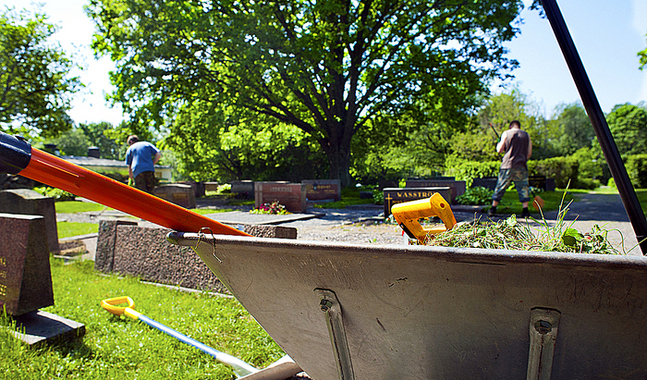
column 73, row 207
column 69, row 229
column 121, row 348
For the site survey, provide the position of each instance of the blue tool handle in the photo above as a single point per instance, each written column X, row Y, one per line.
column 240, row 367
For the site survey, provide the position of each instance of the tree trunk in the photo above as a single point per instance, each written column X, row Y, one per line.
column 339, row 160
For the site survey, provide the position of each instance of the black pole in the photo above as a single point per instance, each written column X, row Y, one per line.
column 592, row 106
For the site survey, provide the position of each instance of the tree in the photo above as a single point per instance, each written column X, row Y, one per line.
column 34, row 81
column 642, row 56
column 96, row 135
column 211, row 142
column 479, row 141
column 628, row 125
column 328, row 67
column 574, row 129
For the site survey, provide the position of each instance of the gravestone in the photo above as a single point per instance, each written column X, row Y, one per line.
column 291, row 195
column 323, row 189
column 180, row 194
column 211, row 186
column 395, row 195
column 29, row 202
column 244, row 188
column 25, row 276
column 487, row 182
column 457, row 187
column 106, row 240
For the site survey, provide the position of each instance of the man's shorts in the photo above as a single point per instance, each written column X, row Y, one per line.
column 146, row 181
column 520, row 179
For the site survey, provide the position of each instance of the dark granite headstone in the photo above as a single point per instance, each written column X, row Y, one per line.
column 457, row 187
column 29, row 202
column 180, row 194
column 244, row 188
column 25, row 275
column 291, row 195
column 399, row 195
column 487, row 182
column 323, row 189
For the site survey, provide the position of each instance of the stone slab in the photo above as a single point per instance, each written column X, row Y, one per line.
column 29, row 202
column 39, row 328
column 457, row 187
column 322, row 189
column 291, row 195
column 25, row 274
column 405, row 194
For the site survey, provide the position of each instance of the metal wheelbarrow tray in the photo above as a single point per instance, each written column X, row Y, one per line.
column 417, row 312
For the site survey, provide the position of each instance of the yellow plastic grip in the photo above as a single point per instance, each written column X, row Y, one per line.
column 407, row 215
column 129, row 311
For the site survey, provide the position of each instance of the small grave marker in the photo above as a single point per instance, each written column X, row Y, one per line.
column 180, row 194
column 323, row 189
column 457, row 187
column 395, row 195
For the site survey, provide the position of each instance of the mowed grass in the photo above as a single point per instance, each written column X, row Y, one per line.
column 69, row 229
column 552, row 199
column 122, row 348
column 73, row 207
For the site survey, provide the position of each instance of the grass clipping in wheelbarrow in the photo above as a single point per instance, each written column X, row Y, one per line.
column 512, row 234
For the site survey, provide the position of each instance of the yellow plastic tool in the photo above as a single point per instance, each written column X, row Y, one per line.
column 408, row 215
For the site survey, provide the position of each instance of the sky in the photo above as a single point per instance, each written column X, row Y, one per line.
column 607, row 34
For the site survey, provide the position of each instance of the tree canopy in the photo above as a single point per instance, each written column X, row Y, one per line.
column 34, row 81
column 328, row 67
column 628, row 125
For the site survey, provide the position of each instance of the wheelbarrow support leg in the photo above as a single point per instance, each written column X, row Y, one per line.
column 334, row 319
column 543, row 335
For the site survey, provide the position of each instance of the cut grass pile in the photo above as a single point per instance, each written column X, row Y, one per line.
column 121, row 348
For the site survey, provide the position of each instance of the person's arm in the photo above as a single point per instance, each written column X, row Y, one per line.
column 500, row 147
column 156, row 158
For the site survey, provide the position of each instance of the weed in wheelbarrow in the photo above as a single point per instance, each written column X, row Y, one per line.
column 513, row 234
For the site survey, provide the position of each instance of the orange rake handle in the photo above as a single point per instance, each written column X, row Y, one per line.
column 18, row 157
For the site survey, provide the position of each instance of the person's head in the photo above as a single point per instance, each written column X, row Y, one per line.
column 132, row 139
column 515, row 124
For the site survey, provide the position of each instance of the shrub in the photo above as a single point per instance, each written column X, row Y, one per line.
column 637, row 169
column 468, row 170
column 562, row 169
column 57, row 194
column 475, row 196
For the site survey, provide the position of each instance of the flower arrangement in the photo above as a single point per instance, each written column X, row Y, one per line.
column 274, row 208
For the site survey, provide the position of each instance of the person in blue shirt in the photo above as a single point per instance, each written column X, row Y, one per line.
column 141, row 158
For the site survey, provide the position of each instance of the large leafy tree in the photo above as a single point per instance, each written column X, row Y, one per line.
column 628, row 125
column 574, row 129
column 327, row 67
column 34, row 81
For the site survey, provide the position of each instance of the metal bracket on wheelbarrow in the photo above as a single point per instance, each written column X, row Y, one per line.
column 335, row 322
column 543, row 336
